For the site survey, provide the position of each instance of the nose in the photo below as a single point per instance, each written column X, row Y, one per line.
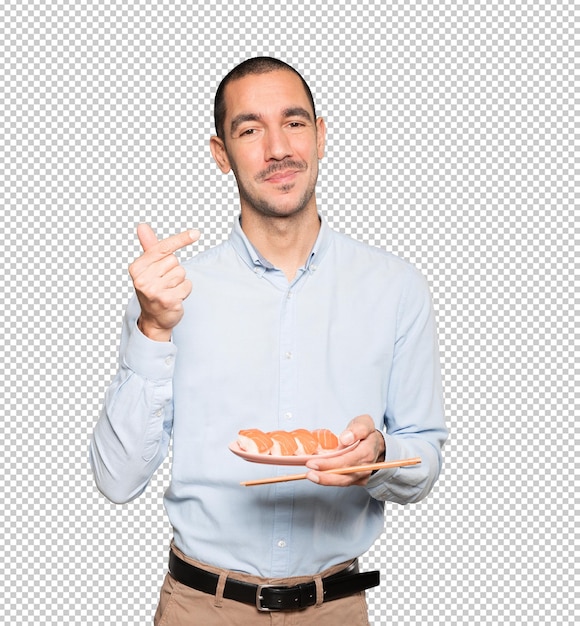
column 277, row 145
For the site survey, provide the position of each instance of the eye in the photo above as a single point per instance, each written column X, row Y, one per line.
column 296, row 124
column 247, row 132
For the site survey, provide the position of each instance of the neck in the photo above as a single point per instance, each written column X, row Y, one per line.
column 285, row 241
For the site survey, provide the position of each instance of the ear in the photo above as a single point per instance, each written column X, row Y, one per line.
column 320, row 136
column 219, row 153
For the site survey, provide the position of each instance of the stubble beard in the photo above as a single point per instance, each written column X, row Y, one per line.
column 267, row 208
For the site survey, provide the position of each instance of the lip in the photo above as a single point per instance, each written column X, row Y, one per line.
column 282, row 177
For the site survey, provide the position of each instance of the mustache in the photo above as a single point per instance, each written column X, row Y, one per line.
column 287, row 164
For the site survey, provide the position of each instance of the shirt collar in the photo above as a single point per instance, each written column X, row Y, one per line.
column 259, row 264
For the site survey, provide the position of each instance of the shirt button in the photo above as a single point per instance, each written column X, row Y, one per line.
column 288, row 355
column 314, row 267
column 169, row 360
column 281, row 543
column 289, row 295
column 288, row 415
column 159, row 413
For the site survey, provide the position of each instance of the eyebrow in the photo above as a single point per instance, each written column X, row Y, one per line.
column 297, row 112
column 243, row 117
column 255, row 117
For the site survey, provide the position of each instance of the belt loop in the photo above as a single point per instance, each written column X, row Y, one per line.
column 219, row 591
column 319, row 590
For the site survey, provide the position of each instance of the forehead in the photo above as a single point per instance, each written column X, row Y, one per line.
column 264, row 94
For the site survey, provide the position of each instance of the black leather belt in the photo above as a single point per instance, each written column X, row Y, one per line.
column 274, row 597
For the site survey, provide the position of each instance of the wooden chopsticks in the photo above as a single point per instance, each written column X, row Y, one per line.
column 339, row 470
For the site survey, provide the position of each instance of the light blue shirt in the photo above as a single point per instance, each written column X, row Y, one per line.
column 353, row 333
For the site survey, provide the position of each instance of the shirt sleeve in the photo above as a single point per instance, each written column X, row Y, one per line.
column 414, row 417
column 131, row 437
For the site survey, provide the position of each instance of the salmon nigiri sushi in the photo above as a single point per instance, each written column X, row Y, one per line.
column 307, row 442
column 284, row 443
column 327, row 440
column 255, row 441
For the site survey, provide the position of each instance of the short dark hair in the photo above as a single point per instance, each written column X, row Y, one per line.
column 255, row 65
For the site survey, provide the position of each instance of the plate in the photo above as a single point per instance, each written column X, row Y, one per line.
column 269, row 459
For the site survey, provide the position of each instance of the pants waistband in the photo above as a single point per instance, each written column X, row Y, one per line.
column 273, row 596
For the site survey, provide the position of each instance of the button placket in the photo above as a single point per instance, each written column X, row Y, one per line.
column 283, row 507
column 288, row 366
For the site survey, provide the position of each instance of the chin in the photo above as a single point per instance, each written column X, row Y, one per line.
column 286, row 207
column 289, row 211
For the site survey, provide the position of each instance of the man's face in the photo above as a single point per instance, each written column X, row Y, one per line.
column 272, row 143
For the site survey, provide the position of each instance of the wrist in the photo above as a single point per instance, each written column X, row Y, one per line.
column 382, row 451
column 152, row 332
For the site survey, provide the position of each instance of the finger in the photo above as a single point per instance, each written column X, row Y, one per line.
column 348, row 459
column 165, row 247
column 145, row 268
column 164, row 265
column 174, row 277
column 175, row 242
column 336, row 480
column 183, row 289
column 147, row 237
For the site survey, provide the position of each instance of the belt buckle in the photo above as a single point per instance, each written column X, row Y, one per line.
column 260, row 597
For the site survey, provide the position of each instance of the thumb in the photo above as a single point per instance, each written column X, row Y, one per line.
column 147, row 237
column 359, row 428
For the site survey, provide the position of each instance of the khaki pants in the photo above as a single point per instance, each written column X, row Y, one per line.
column 180, row 605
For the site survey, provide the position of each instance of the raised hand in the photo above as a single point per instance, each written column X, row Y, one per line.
column 160, row 282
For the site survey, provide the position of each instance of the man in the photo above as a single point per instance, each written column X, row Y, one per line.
column 286, row 325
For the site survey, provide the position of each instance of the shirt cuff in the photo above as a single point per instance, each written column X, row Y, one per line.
column 154, row 360
column 392, row 452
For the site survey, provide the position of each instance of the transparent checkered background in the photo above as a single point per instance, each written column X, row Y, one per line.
column 451, row 143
